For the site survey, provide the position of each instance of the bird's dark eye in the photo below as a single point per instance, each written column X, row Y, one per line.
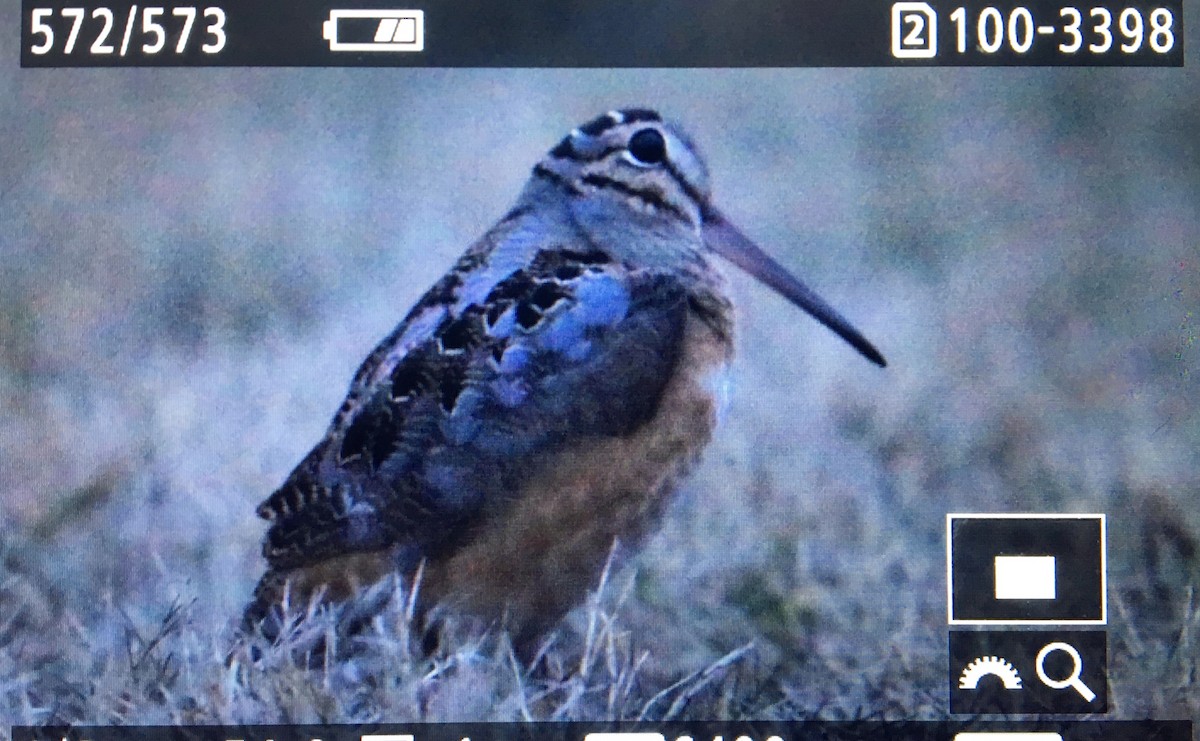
column 648, row 146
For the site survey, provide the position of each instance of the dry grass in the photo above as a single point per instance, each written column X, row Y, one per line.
column 169, row 669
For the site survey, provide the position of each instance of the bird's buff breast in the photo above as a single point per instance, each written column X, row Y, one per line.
column 536, row 561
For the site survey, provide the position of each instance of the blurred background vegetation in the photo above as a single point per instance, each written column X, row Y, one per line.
column 192, row 264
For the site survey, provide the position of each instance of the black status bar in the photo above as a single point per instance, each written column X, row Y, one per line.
column 1180, row 730
column 599, row 33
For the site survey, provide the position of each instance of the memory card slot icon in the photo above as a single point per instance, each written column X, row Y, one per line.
column 375, row 30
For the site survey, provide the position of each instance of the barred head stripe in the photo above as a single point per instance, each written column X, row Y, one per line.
column 697, row 197
column 601, row 124
column 598, row 125
column 564, row 149
column 649, row 197
column 541, row 172
column 635, row 115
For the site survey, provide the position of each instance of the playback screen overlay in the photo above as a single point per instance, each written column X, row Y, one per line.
column 607, row 34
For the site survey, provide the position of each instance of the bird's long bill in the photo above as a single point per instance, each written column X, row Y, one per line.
column 725, row 239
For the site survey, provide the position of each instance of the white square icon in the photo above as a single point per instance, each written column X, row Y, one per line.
column 1025, row 577
column 1026, row 569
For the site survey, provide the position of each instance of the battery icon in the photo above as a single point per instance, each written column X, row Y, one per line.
column 375, row 30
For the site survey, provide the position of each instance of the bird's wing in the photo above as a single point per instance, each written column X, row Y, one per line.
column 452, row 412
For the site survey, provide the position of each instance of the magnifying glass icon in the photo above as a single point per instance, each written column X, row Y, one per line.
column 1072, row 679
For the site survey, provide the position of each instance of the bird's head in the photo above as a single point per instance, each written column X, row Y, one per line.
column 639, row 184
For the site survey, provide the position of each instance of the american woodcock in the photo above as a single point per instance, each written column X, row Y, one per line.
column 542, row 401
